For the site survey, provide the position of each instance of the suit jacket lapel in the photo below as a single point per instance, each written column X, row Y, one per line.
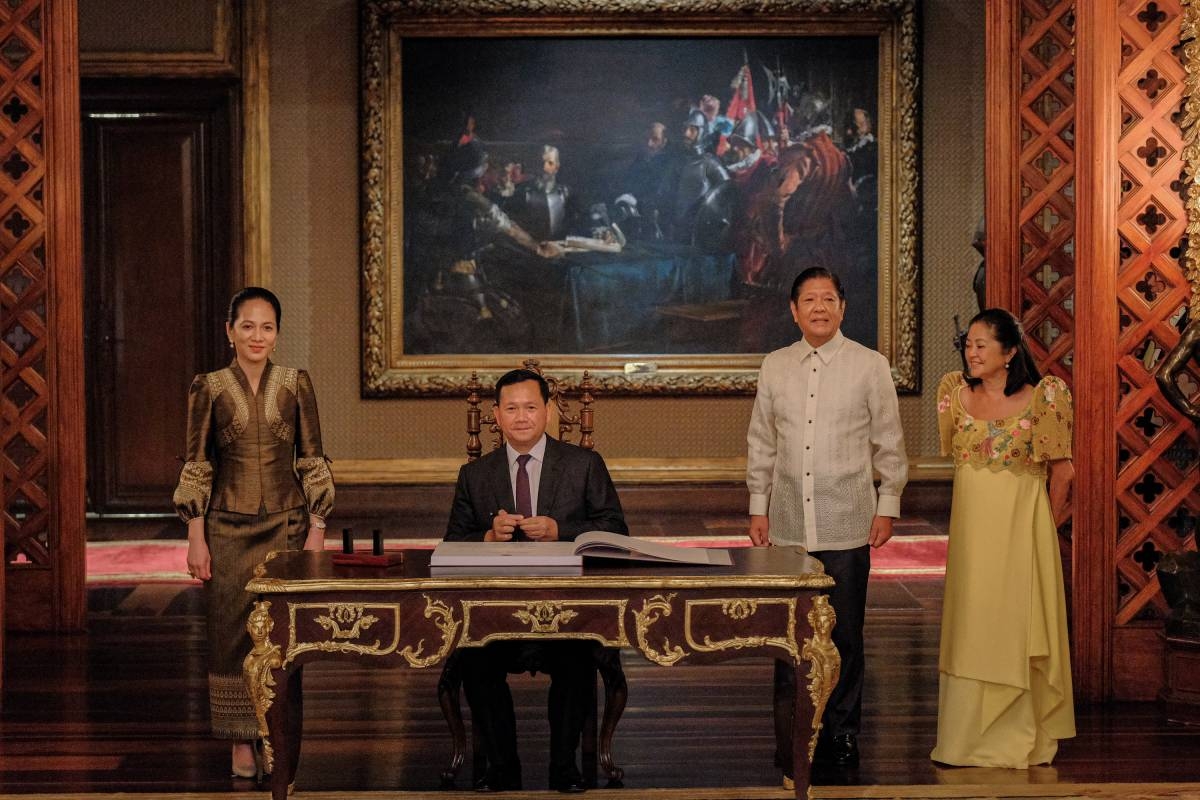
column 548, row 485
column 500, row 483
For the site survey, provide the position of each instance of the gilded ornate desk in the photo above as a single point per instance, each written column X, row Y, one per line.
column 767, row 603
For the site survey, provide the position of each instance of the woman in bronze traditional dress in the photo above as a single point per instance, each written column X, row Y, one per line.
column 256, row 479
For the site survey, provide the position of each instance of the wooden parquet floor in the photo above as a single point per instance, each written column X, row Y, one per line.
column 1137, row 791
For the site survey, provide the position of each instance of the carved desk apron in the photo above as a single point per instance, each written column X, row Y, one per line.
column 769, row 603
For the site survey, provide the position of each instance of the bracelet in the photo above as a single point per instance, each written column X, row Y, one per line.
column 317, row 523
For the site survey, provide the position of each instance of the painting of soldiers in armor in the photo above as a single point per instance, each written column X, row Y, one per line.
column 635, row 196
column 625, row 200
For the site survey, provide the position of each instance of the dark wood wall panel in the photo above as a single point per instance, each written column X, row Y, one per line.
column 158, row 263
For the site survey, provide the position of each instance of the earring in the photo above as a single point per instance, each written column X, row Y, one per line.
column 1007, row 364
column 231, row 343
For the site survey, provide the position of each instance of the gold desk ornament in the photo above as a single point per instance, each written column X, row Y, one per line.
column 653, row 609
column 544, row 619
column 825, row 661
column 260, row 569
column 740, row 609
column 326, row 621
column 263, row 657
column 445, row 622
column 348, row 614
column 544, row 616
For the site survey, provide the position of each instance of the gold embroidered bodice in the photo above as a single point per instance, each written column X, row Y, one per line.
column 1022, row 443
column 253, row 453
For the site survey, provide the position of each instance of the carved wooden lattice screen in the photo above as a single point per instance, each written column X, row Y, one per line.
column 41, row 368
column 23, row 289
column 1156, row 445
column 1047, row 233
column 1046, row 280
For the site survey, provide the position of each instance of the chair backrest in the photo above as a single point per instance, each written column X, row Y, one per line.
column 560, row 413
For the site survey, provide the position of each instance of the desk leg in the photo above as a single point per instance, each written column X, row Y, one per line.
column 616, row 692
column 813, row 688
column 285, row 722
column 803, row 724
column 450, row 699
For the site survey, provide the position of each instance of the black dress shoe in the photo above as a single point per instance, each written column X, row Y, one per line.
column 497, row 781
column 843, row 750
column 567, row 781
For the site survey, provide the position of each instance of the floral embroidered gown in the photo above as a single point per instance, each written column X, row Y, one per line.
column 1004, row 671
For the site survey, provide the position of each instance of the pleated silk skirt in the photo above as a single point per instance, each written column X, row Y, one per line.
column 1004, row 683
column 238, row 543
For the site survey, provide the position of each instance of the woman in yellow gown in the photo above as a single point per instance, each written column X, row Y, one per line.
column 1004, row 671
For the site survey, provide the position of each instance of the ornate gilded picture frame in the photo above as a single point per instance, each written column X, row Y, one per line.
column 629, row 189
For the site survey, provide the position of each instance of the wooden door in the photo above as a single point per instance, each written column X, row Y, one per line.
column 162, row 249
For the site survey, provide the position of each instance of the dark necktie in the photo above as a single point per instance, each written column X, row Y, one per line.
column 524, row 503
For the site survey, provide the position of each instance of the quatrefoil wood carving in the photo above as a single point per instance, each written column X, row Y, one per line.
column 1148, row 556
column 1152, row 16
column 1151, row 152
column 1149, row 487
column 1151, row 218
column 1152, row 83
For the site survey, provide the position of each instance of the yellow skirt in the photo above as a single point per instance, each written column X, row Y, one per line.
column 1004, row 683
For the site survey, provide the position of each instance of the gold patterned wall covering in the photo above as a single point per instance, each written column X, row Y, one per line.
column 1157, row 472
column 24, row 389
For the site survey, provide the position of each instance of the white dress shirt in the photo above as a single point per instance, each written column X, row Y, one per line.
column 823, row 418
column 533, row 468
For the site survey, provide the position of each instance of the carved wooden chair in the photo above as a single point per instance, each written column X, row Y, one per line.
column 596, row 747
column 560, row 413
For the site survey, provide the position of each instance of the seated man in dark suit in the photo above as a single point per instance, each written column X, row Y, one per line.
column 571, row 491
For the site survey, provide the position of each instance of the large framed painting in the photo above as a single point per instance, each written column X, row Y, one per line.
column 631, row 188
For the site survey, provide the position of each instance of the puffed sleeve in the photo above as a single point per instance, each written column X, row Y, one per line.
column 315, row 478
column 1053, row 420
column 945, row 409
column 196, row 478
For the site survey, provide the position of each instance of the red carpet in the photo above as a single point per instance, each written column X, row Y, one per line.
column 127, row 563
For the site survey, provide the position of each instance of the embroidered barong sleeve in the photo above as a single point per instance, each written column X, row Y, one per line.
column 316, row 481
column 945, row 410
column 1053, row 419
column 761, row 449
column 887, row 440
column 195, row 480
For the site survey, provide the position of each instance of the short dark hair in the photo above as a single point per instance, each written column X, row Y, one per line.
column 812, row 273
column 254, row 293
column 520, row 376
column 1011, row 335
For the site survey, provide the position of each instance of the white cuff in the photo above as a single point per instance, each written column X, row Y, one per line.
column 888, row 506
column 759, row 503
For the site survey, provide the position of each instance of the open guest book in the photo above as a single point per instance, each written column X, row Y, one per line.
column 562, row 558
